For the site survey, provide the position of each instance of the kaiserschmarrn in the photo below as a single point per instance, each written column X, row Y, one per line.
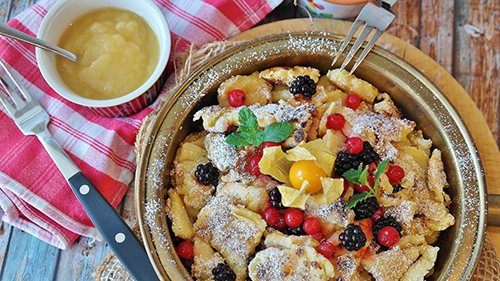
column 303, row 176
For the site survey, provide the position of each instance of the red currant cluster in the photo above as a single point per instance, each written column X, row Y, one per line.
column 294, row 218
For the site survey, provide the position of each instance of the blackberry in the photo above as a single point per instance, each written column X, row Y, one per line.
column 346, row 160
column 207, row 174
column 223, row 273
column 365, row 208
column 389, row 221
column 368, row 154
column 353, row 238
column 275, row 196
column 303, row 85
column 397, row 188
column 298, row 231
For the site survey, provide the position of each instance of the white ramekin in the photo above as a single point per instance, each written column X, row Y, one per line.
column 65, row 12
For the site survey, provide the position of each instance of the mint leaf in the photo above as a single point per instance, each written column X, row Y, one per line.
column 256, row 139
column 358, row 197
column 249, row 133
column 237, row 139
column 358, row 176
column 248, row 121
column 380, row 171
column 364, row 174
column 278, row 132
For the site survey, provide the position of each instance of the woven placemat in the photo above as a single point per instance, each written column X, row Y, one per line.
column 111, row 269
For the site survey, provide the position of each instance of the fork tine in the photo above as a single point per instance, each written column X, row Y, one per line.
column 355, row 26
column 15, row 94
column 367, row 49
column 354, row 49
column 3, row 98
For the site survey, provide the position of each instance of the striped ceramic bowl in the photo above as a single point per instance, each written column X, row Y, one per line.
column 63, row 13
column 334, row 9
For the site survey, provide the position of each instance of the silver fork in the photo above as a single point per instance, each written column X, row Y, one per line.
column 375, row 17
column 32, row 119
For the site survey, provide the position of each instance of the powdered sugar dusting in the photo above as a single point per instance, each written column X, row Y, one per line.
column 223, row 155
column 382, row 130
column 335, row 212
column 270, row 267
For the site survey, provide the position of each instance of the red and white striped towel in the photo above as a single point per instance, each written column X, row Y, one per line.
column 33, row 194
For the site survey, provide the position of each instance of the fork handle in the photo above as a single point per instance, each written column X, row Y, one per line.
column 111, row 226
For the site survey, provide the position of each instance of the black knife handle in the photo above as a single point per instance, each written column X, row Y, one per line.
column 114, row 229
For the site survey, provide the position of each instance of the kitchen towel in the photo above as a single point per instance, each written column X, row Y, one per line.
column 34, row 196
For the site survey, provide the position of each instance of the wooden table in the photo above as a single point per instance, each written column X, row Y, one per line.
column 462, row 36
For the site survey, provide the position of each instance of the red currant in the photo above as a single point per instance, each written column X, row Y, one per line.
column 388, row 236
column 318, row 236
column 352, row 101
column 395, row 174
column 271, row 216
column 269, row 144
column 293, row 218
column 361, row 188
column 253, row 164
column 378, row 215
column 312, row 226
column 236, row 98
column 327, row 249
column 281, row 224
column 335, row 121
column 185, row 250
column 354, row 145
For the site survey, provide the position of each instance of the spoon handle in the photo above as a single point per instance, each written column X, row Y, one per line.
column 16, row 34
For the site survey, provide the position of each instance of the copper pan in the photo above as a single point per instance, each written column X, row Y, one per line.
column 418, row 98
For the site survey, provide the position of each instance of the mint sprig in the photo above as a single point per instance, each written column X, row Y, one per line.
column 248, row 132
column 360, row 176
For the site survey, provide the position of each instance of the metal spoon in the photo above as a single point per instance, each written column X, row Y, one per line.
column 16, row 34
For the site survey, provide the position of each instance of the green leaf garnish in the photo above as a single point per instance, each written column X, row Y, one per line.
column 360, row 176
column 248, row 121
column 237, row 139
column 248, row 132
column 358, row 197
column 278, row 131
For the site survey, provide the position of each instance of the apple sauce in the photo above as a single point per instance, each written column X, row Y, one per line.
column 117, row 49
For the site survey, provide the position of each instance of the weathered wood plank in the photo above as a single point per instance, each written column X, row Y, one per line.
column 81, row 260
column 406, row 25
column 20, row 5
column 5, row 232
column 478, row 56
column 436, row 31
column 4, row 10
column 29, row 258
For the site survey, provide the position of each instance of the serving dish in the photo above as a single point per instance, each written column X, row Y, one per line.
column 418, row 98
